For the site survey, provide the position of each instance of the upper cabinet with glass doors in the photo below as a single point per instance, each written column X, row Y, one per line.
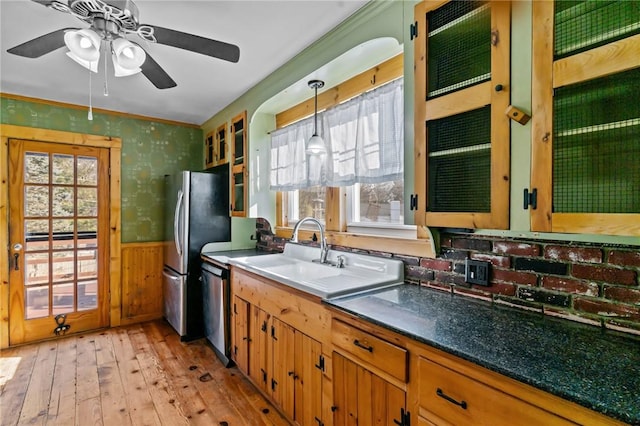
column 239, row 173
column 215, row 147
column 462, row 72
column 586, row 117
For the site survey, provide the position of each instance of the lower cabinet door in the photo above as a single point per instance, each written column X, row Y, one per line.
column 362, row 398
column 259, row 368
column 240, row 322
column 283, row 373
column 308, row 381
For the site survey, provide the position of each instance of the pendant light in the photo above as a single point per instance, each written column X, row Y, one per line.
column 316, row 146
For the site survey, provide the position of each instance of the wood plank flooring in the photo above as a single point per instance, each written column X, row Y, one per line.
column 135, row 375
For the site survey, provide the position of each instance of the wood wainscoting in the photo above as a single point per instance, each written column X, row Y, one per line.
column 141, row 282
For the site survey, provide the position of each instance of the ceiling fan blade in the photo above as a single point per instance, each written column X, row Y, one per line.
column 40, row 45
column 194, row 43
column 156, row 75
column 43, row 2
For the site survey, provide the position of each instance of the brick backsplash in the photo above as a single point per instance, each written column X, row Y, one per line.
column 587, row 282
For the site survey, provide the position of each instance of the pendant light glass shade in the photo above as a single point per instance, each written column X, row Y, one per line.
column 315, row 145
column 84, row 46
column 127, row 57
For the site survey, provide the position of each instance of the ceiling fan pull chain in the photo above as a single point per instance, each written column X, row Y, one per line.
column 90, row 114
column 106, row 77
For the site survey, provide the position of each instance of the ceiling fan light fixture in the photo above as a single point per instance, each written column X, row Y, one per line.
column 84, row 44
column 90, row 65
column 128, row 57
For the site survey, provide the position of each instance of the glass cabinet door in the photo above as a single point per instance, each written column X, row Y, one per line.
column 238, row 139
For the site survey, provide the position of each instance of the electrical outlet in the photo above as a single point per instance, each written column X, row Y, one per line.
column 476, row 272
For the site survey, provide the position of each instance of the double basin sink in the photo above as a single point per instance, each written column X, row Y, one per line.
column 342, row 274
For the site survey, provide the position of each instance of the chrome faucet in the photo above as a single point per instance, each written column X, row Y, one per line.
column 323, row 241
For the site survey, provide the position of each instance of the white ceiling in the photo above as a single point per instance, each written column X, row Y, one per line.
column 268, row 33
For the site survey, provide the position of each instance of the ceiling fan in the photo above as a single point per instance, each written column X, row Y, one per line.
column 111, row 21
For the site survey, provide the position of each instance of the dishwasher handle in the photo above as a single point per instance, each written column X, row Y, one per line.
column 219, row 272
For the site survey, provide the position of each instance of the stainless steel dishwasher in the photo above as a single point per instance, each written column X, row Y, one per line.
column 216, row 310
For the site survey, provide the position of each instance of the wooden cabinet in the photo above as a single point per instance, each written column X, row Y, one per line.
column 462, row 135
column 282, row 359
column 586, row 116
column 239, row 172
column 209, row 150
column 363, row 398
column 215, row 147
column 240, row 333
column 369, row 374
column 260, row 359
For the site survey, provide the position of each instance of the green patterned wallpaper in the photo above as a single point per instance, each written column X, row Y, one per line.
column 149, row 151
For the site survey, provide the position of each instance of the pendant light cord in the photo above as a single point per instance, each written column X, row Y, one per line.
column 315, row 113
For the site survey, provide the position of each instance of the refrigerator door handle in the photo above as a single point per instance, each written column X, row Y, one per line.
column 170, row 276
column 177, row 237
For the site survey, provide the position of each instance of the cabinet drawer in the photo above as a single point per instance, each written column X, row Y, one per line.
column 448, row 397
column 379, row 353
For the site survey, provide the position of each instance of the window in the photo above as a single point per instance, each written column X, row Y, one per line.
column 308, row 202
column 365, row 143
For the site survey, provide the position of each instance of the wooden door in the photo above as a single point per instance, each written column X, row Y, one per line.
column 59, row 239
column 283, row 363
column 241, row 327
column 362, row 398
column 345, row 391
column 308, row 384
column 259, row 370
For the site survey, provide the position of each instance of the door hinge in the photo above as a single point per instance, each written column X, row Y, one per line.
column 320, row 364
column 413, row 30
column 235, row 309
column 264, row 326
column 264, row 375
column 530, row 199
column 413, row 203
column 235, row 350
column 319, row 421
column 273, row 384
column 273, row 333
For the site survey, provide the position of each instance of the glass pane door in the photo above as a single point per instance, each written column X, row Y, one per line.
column 59, row 232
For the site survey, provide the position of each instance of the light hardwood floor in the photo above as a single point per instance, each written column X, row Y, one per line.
column 135, row 375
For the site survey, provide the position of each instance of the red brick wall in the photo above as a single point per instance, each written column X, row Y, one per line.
column 594, row 283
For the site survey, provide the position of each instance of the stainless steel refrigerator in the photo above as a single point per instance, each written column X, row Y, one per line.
column 196, row 213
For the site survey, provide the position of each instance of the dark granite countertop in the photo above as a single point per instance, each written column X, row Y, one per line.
column 596, row 368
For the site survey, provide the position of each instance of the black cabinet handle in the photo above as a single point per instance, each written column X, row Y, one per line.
column 363, row 346
column 441, row 394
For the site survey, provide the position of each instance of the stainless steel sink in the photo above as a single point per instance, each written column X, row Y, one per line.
column 295, row 267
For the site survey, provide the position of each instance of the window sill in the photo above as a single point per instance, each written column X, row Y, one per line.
column 421, row 247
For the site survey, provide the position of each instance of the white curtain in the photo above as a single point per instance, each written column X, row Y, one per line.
column 364, row 138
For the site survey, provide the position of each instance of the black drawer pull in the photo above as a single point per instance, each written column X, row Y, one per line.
column 462, row 404
column 363, row 346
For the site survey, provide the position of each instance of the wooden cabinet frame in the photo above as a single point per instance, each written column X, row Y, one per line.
column 548, row 75
column 461, row 101
column 239, row 166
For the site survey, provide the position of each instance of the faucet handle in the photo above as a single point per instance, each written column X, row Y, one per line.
column 340, row 261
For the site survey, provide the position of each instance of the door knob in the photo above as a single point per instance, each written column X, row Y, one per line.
column 16, row 256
